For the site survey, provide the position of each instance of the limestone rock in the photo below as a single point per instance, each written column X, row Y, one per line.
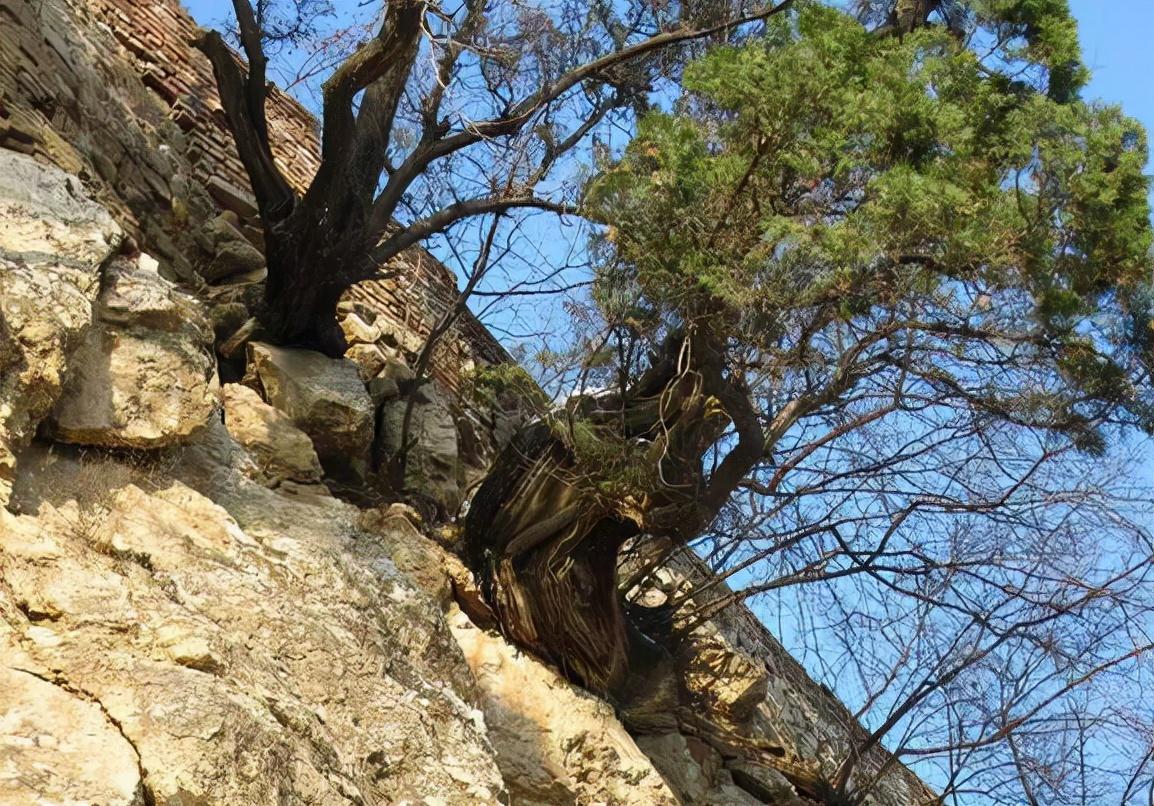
column 255, row 647
column 396, row 370
column 433, row 463
column 46, row 218
column 281, row 450
column 358, row 331
column 144, row 376
column 232, row 254
column 368, row 358
column 324, row 397
column 53, row 241
column 382, row 388
column 56, row 747
column 555, row 743
column 421, row 559
column 226, row 318
column 764, row 783
column 134, row 295
column 402, row 339
column 694, row 770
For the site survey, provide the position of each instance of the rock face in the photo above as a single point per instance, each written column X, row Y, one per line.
column 232, row 256
column 258, row 648
column 433, row 465
column 555, row 743
column 325, row 398
column 144, row 376
column 76, row 751
column 53, row 241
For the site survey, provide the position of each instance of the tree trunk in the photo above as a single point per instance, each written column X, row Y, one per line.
column 546, row 555
column 312, row 261
column 545, row 542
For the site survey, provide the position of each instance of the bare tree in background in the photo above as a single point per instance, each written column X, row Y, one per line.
column 496, row 94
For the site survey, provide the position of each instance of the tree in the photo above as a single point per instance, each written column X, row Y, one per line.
column 870, row 301
column 511, row 91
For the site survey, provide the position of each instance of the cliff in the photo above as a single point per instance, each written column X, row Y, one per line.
column 202, row 600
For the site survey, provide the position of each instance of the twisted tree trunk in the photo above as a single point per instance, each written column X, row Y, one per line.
column 545, row 541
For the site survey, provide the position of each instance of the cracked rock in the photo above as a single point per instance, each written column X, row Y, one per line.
column 57, row 747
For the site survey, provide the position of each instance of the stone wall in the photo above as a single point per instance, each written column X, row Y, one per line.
column 804, row 718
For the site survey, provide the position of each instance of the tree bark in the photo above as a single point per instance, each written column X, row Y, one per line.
column 545, row 541
column 546, row 555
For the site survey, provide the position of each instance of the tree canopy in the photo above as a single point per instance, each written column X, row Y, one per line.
column 959, row 225
column 910, row 271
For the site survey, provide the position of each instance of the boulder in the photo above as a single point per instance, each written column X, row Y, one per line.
column 53, row 241
column 396, row 370
column 694, row 770
column 135, row 296
column 47, row 219
column 766, row 784
column 401, row 338
column 144, row 376
column 280, row 450
column 382, row 388
column 368, row 358
column 227, row 318
column 325, row 398
column 433, row 464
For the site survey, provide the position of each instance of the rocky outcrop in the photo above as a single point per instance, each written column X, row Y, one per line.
column 216, row 641
column 144, row 376
column 225, row 642
column 53, row 242
column 325, row 398
column 232, row 256
column 433, row 464
column 59, row 746
column 555, row 743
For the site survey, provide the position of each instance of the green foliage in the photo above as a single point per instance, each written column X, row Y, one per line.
column 1048, row 36
column 504, row 386
column 827, row 174
column 613, row 469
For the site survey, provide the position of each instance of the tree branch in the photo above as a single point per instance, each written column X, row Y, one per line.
column 356, row 144
column 521, row 113
column 447, row 216
column 274, row 196
column 250, row 40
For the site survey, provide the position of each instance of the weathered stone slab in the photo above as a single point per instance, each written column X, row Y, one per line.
column 144, row 375
column 280, row 450
column 325, row 398
column 53, row 241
